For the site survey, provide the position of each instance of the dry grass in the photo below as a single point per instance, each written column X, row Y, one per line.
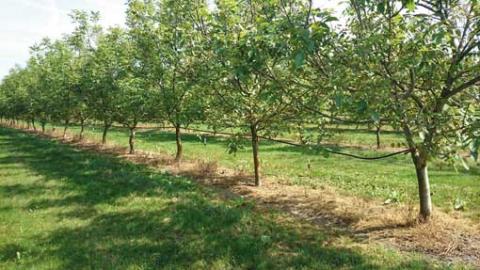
column 206, row 168
column 447, row 237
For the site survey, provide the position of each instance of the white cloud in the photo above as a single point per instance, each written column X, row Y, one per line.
column 25, row 22
column 52, row 26
column 113, row 11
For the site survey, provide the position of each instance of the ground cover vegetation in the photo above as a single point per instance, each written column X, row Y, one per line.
column 266, row 67
column 66, row 208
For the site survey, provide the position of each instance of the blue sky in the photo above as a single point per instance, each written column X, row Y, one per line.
column 25, row 22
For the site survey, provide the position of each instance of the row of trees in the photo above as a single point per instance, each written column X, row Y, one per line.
column 265, row 65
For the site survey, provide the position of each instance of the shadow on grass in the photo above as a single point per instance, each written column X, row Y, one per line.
column 184, row 228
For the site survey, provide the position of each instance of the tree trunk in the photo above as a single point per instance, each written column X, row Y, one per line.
column 377, row 133
column 256, row 163
column 419, row 158
column 131, row 141
column 82, row 128
column 33, row 124
column 43, row 124
column 178, row 138
column 104, row 135
column 65, row 129
column 420, row 161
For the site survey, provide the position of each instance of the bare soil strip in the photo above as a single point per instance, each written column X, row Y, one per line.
column 447, row 237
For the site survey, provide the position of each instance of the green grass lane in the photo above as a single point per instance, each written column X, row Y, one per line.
column 381, row 179
column 63, row 208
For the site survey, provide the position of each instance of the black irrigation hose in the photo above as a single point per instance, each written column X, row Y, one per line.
column 342, row 153
column 302, row 145
column 287, row 143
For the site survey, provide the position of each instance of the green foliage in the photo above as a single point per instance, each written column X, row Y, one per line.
column 168, row 38
column 418, row 75
column 236, row 144
column 256, row 62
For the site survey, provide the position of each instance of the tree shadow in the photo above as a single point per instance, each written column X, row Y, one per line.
column 186, row 227
column 192, row 234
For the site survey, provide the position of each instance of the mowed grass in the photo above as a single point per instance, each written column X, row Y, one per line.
column 352, row 135
column 63, row 208
column 392, row 178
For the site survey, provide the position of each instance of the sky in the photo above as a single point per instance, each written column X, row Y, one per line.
column 25, row 22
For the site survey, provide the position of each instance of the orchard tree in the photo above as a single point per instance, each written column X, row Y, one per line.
column 3, row 101
column 258, row 64
column 44, row 98
column 57, row 62
column 82, row 41
column 16, row 100
column 426, row 52
column 134, row 98
column 105, row 71
column 135, row 104
column 65, row 81
column 29, row 82
column 169, row 35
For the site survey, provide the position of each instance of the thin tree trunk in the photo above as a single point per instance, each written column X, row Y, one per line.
column 256, row 162
column 82, row 128
column 33, row 124
column 301, row 135
column 131, row 141
column 377, row 133
column 178, row 138
column 43, row 126
column 65, row 129
column 419, row 159
column 421, row 169
column 105, row 131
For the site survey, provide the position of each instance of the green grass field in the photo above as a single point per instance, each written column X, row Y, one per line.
column 381, row 179
column 63, row 208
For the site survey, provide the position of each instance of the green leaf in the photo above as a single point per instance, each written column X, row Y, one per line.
column 376, row 117
column 338, row 101
column 362, row 106
column 381, row 7
column 299, row 59
column 410, row 5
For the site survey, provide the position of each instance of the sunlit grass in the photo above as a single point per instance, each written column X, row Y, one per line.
column 379, row 179
column 62, row 208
